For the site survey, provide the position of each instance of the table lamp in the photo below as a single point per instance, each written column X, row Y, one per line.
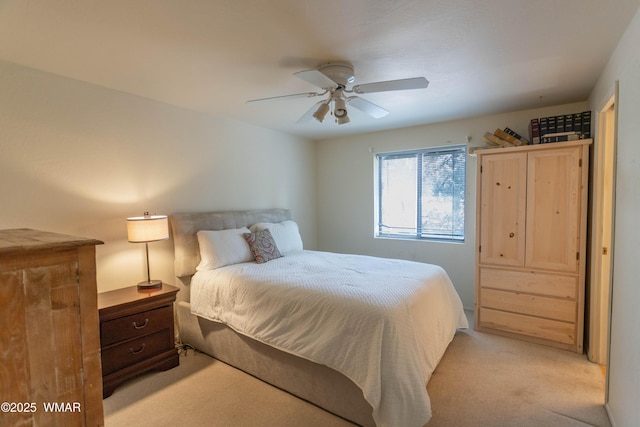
column 145, row 229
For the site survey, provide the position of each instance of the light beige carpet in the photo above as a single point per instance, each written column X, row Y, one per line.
column 486, row 380
column 483, row 380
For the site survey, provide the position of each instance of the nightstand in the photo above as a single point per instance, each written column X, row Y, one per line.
column 136, row 333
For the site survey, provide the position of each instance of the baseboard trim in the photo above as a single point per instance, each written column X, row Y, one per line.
column 607, row 408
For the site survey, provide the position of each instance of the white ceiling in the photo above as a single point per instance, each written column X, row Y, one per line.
column 480, row 57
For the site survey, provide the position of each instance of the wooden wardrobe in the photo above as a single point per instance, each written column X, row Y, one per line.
column 531, row 237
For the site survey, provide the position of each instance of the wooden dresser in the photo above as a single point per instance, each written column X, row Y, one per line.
column 531, row 237
column 49, row 336
column 136, row 333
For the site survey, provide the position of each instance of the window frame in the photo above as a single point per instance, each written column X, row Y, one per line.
column 418, row 154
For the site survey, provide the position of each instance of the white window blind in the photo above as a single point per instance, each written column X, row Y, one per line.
column 421, row 193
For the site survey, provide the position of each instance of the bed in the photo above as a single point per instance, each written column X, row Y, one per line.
column 325, row 327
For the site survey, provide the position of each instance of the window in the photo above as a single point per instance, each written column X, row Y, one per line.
column 420, row 194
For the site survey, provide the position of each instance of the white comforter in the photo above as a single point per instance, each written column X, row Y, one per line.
column 383, row 323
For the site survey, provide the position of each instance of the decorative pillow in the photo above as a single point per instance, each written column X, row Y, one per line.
column 262, row 246
column 222, row 247
column 286, row 234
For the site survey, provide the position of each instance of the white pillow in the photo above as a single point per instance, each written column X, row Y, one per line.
column 223, row 247
column 286, row 234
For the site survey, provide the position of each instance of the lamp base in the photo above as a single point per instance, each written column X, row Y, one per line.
column 150, row 284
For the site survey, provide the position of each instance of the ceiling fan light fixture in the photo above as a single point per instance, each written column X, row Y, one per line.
column 340, row 108
column 334, row 79
column 342, row 120
column 321, row 112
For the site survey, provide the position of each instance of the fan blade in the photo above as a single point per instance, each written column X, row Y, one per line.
column 309, row 114
column 316, row 78
column 368, row 107
column 292, row 96
column 403, row 84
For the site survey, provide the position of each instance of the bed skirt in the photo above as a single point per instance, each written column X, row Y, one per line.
column 315, row 383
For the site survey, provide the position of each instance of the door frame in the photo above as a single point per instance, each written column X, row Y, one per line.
column 602, row 232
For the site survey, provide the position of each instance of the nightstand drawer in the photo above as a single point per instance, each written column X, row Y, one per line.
column 135, row 350
column 136, row 325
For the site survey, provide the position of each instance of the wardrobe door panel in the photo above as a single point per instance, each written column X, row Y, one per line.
column 503, row 209
column 553, row 209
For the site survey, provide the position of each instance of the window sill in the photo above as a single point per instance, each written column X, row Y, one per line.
column 418, row 239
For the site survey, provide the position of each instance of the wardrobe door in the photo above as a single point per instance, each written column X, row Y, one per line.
column 503, row 209
column 553, row 209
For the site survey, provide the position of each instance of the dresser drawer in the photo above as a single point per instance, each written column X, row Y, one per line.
column 129, row 352
column 136, row 325
column 556, row 285
column 534, row 305
column 552, row 330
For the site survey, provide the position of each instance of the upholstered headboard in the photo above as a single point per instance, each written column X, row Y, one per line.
column 184, row 227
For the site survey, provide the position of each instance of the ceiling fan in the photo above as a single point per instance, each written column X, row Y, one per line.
column 335, row 79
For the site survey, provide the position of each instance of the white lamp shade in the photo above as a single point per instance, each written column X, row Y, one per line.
column 148, row 228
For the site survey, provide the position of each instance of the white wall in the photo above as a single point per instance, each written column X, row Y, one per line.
column 78, row 159
column 624, row 368
column 346, row 191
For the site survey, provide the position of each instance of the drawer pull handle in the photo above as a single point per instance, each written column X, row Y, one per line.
column 137, row 351
column 135, row 325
